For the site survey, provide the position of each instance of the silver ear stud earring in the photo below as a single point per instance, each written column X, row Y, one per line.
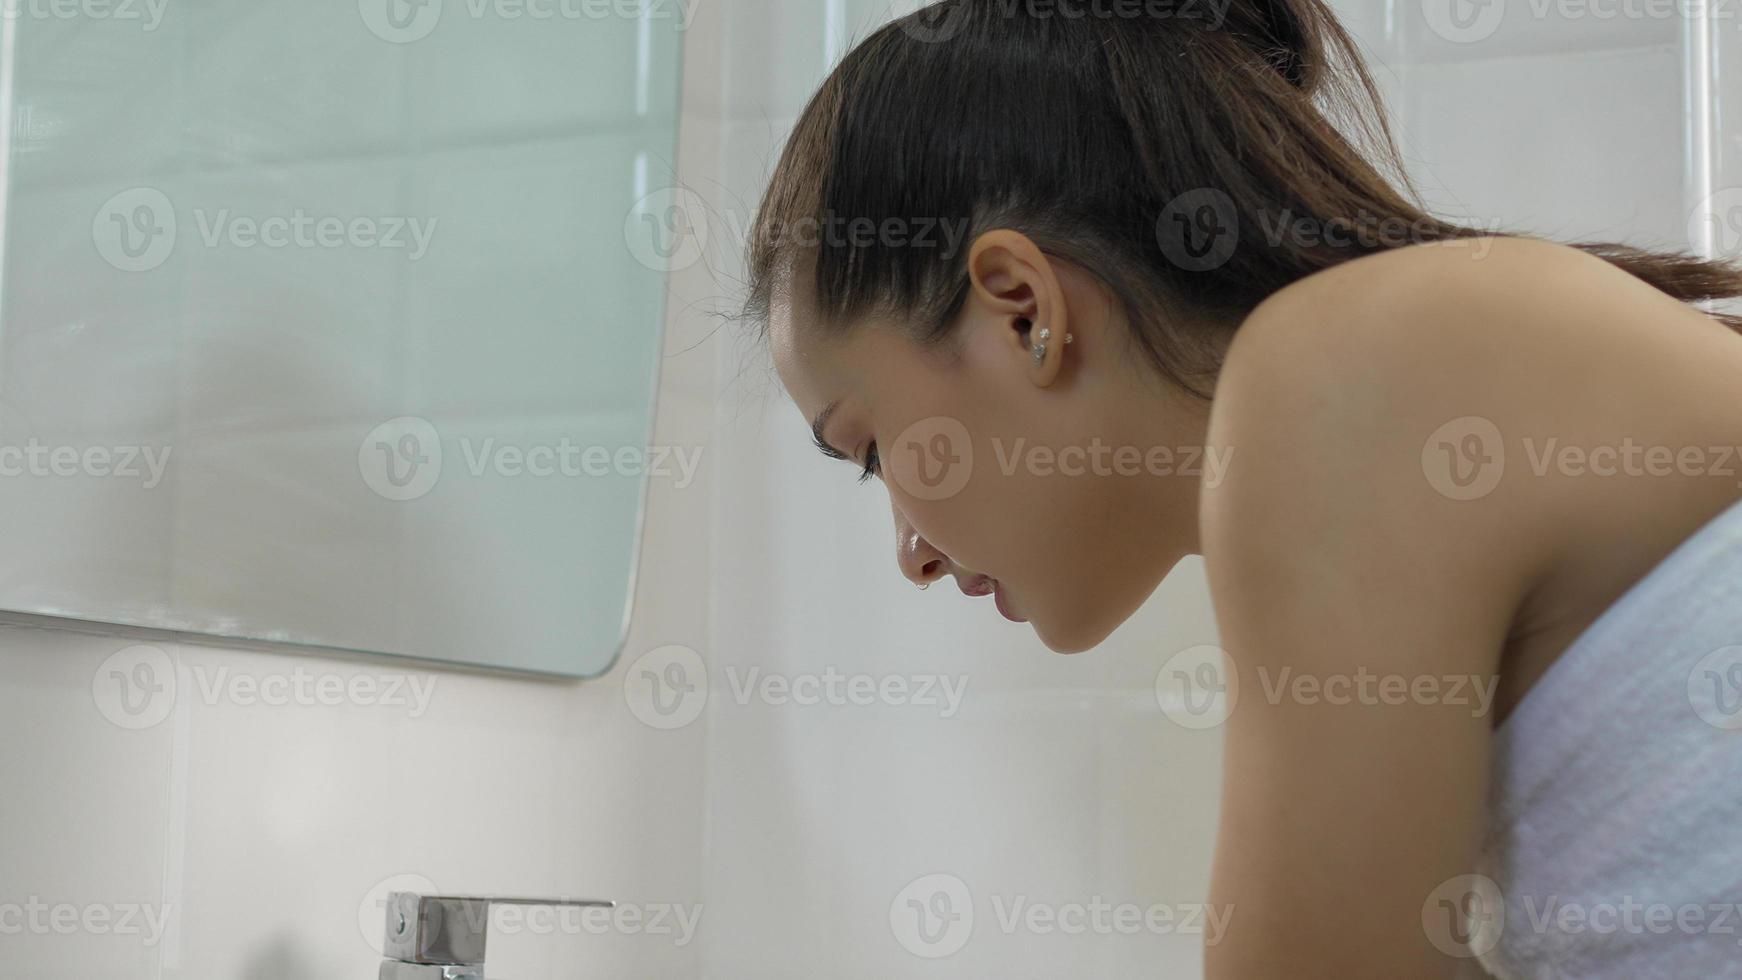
column 924, row 585
column 1044, row 335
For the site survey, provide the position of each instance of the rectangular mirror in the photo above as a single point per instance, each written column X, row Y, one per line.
column 335, row 322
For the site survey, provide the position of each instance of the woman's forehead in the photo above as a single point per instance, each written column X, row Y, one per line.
column 801, row 352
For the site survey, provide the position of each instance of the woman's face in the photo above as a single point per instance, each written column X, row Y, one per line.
column 1065, row 486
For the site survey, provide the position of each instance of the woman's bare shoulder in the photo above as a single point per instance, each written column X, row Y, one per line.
column 1367, row 521
column 1419, row 400
column 1368, row 408
column 1393, row 309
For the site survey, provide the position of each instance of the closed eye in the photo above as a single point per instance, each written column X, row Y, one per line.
column 873, row 465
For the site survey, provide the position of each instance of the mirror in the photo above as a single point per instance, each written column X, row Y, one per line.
column 336, row 322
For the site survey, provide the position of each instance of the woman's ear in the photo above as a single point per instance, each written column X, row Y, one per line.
column 1015, row 282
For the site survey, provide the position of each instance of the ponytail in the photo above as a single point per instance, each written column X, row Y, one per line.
column 1171, row 155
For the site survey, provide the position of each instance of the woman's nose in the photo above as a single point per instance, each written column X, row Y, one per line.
column 919, row 561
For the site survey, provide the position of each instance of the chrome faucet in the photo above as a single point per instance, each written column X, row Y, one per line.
column 443, row 937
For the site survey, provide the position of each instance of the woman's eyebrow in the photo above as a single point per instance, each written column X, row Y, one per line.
column 820, row 423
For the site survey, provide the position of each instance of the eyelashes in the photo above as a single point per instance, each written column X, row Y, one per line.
column 873, row 465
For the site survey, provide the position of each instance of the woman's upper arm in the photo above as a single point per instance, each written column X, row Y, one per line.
column 1363, row 606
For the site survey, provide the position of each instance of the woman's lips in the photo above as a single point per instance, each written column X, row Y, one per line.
column 980, row 585
column 1004, row 606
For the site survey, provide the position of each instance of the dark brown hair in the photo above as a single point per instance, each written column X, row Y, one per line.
column 1143, row 140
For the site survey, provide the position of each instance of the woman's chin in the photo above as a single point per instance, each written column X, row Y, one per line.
column 1059, row 634
column 1067, row 642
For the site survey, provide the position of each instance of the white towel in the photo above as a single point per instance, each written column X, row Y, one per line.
column 1615, row 802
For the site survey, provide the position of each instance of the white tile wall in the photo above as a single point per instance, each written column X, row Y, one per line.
column 1719, row 205
column 1462, row 30
column 1059, row 779
column 1596, row 157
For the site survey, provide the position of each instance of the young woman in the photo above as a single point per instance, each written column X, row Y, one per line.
column 1095, row 286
